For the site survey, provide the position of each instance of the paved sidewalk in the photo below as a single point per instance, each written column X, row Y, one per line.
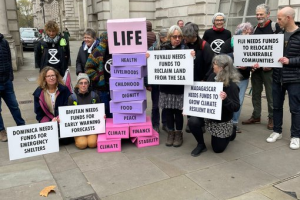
column 250, row 168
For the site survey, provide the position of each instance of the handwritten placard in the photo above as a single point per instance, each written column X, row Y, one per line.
column 170, row 67
column 81, row 120
column 32, row 140
column 203, row 100
column 262, row 49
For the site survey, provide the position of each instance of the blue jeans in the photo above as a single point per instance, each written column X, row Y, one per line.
column 279, row 91
column 7, row 93
column 105, row 98
column 155, row 117
column 243, row 84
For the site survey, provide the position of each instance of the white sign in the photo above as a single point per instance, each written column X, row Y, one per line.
column 81, row 120
column 32, row 140
column 203, row 100
column 262, row 49
column 170, row 67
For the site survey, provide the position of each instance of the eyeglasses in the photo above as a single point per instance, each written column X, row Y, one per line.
column 83, row 83
column 176, row 36
column 219, row 20
column 51, row 76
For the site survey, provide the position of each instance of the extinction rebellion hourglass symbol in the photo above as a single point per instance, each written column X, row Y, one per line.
column 53, row 59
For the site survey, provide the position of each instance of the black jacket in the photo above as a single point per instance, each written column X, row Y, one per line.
column 83, row 99
column 290, row 73
column 216, row 38
column 232, row 103
column 172, row 89
column 82, row 57
column 6, row 72
column 43, row 59
column 202, row 62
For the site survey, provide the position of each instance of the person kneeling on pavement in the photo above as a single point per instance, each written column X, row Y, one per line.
column 84, row 95
column 221, row 130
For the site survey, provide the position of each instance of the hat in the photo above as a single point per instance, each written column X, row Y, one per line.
column 83, row 76
column 163, row 32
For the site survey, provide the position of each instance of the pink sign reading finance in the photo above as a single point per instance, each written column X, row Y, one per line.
column 127, row 35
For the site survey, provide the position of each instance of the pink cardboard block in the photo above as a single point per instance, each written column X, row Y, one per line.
column 128, row 71
column 127, row 35
column 126, row 83
column 141, row 129
column 116, row 130
column 129, row 59
column 137, row 107
column 121, row 118
column 108, row 145
column 128, row 95
column 146, row 141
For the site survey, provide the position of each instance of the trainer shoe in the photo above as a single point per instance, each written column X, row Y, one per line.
column 274, row 136
column 294, row 143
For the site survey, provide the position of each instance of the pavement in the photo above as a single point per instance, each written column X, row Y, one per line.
column 249, row 169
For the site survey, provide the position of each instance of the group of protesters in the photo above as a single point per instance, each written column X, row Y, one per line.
column 213, row 62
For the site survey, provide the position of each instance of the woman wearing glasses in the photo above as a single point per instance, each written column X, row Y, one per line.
column 171, row 96
column 50, row 94
column 83, row 95
column 217, row 35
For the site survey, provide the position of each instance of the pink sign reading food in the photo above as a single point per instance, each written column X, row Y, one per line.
column 127, row 35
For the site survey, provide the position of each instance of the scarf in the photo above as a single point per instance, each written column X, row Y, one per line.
column 51, row 40
column 89, row 49
column 218, row 29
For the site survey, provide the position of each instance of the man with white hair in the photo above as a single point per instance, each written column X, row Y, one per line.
column 262, row 76
column 287, row 78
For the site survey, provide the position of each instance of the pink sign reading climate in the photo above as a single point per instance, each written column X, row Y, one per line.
column 127, row 35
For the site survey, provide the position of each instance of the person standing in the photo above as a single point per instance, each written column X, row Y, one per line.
column 94, row 68
column 227, row 48
column 262, row 76
column 52, row 50
column 90, row 42
column 287, row 78
column 161, row 38
column 217, row 35
column 7, row 92
column 180, row 23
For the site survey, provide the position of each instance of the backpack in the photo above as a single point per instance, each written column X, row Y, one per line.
column 273, row 25
column 93, row 95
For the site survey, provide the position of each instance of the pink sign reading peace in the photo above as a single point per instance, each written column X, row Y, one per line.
column 127, row 35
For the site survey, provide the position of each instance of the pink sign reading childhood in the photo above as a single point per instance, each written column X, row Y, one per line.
column 127, row 35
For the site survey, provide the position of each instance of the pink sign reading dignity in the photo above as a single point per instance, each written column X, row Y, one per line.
column 127, row 35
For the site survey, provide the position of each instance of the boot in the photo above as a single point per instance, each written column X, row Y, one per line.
column 3, row 135
column 233, row 135
column 270, row 124
column 170, row 138
column 251, row 121
column 178, row 139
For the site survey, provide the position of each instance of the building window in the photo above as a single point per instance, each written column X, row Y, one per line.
column 239, row 11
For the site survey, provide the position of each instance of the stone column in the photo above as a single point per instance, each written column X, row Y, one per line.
column 4, row 29
column 119, row 9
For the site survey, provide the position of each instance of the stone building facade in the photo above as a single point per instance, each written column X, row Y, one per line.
column 77, row 15
column 10, row 29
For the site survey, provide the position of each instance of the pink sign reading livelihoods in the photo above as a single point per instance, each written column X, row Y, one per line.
column 127, row 35
column 137, row 107
column 129, row 59
column 128, row 71
column 127, row 95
